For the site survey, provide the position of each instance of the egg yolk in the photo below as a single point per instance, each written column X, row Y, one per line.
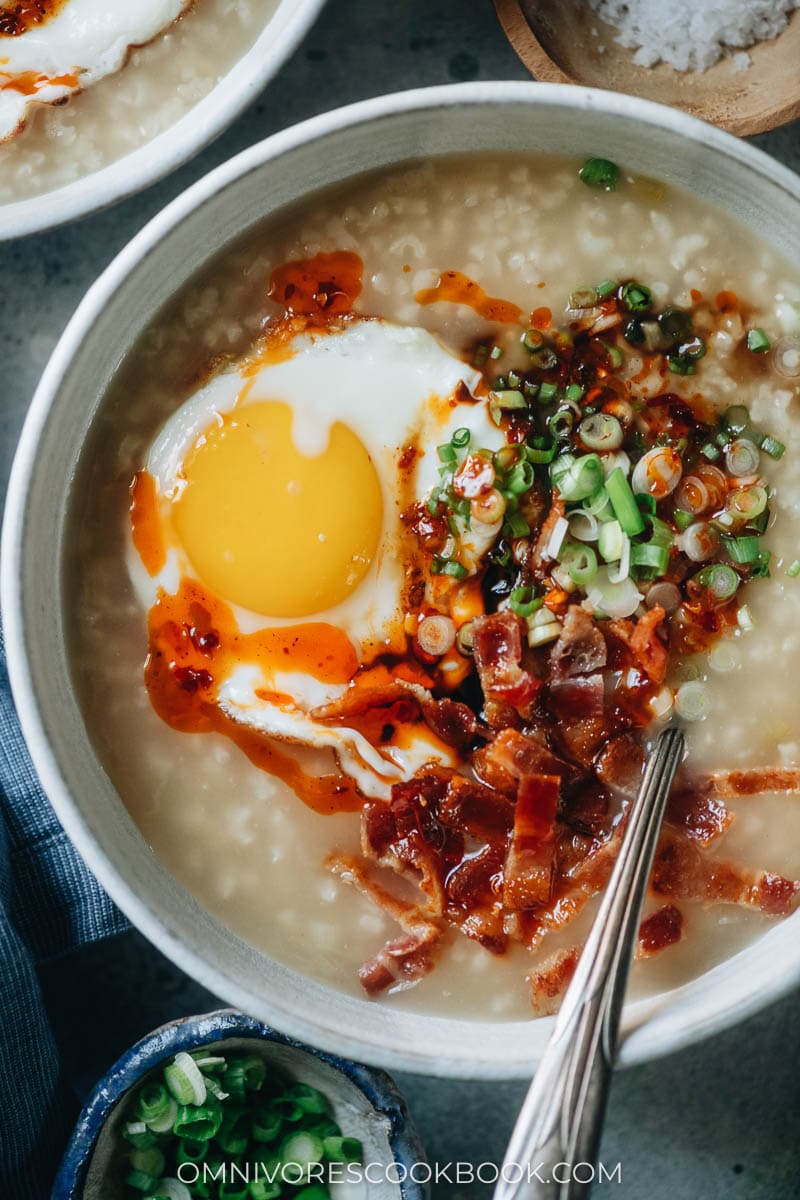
column 274, row 530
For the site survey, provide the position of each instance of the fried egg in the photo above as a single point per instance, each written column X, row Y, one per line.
column 51, row 49
column 273, row 496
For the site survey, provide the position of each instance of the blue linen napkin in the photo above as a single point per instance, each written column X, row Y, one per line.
column 50, row 903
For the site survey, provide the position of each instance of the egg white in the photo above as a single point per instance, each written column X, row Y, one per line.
column 390, row 385
column 87, row 39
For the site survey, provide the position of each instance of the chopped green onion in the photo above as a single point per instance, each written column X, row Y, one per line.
column 577, row 478
column 560, row 424
column 636, row 297
column 580, row 561
column 545, row 358
column 447, row 454
column 600, row 173
column 496, row 352
column 530, row 390
column 743, row 504
column 137, row 1133
column 532, row 340
column 615, row 355
column 448, row 566
column 773, row 447
column 574, row 392
column 794, row 570
column 661, row 533
column 515, row 526
column 461, row 437
column 647, row 503
column 761, row 569
column 743, row 549
column 191, row 1150
column 710, row 451
column 151, row 1161
column 343, row 1149
column 757, row 341
column 692, row 701
column 598, row 505
column 741, row 457
column 744, row 619
column 626, row 510
column 536, row 454
column 720, row 580
column 262, row 1189
column 520, row 478
column 508, row 399
column 675, row 324
column 633, row 332
column 682, row 519
column 692, row 349
column 140, row 1181
column 651, row 557
column 681, row 366
column 198, row 1122
column 611, row 541
column 606, row 288
column 585, row 297
column 514, row 379
column 524, row 601
column 301, row 1151
column 601, row 432
column 309, row 1099
column 735, row 420
column 231, row 1189
column 547, row 392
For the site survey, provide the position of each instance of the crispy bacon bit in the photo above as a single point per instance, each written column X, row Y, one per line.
column 512, row 755
column 528, row 876
column 730, row 784
column 498, row 657
column 661, row 929
column 580, row 648
column 621, row 765
column 549, row 982
column 683, row 872
column 430, row 528
column 455, row 723
column 695, row 810
column 477, row 810
column 474, row 477
column 581, row 697
column 647, row 647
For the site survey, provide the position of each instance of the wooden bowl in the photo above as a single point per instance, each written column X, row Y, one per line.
column 554, row 40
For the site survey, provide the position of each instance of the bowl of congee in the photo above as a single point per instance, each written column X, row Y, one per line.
column 382, row 501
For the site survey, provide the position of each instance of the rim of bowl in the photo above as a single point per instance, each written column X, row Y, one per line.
column 652, row 1027
column 205, row 1029
column 178, row 143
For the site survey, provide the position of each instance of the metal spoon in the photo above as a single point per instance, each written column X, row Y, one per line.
column 561, row 1120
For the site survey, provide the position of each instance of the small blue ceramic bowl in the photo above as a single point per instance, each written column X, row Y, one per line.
column 366, row 1103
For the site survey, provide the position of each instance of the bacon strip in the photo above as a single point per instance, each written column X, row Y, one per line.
column 400, row 963
column 528, row 876
column 549, row 982
column 754, row 782
column 455, row 723
column 512, row 754
column 405, row 959
column 682, row 872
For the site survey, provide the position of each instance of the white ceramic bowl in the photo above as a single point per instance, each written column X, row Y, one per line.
column 499, row 116
column 175, row 145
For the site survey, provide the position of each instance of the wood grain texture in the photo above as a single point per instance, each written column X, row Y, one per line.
column 555, row 42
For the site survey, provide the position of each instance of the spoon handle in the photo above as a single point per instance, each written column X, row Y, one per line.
column 561, row 1120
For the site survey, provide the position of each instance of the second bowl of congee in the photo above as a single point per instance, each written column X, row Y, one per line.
column 405, row 527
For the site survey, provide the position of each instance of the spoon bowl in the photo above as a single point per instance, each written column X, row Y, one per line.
column 565, row 42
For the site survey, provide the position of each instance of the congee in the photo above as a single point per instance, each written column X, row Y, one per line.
column 402, row 531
